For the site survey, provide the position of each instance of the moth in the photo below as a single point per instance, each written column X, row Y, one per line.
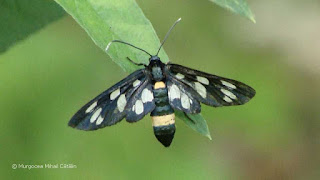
column 159, row 89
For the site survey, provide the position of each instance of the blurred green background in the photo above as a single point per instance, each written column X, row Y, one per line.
column 49, row 76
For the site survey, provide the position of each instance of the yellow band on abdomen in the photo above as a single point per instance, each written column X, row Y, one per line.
column 163, row 120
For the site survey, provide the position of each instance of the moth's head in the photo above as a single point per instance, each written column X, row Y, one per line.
column 154, row 58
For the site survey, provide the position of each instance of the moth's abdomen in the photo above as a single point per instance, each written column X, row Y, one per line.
column 164, row 128
column 163, row 121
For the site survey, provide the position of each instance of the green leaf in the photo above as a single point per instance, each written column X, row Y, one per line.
column 106, row 20
column 20, row 18
column 237, row 6
column 195, row 122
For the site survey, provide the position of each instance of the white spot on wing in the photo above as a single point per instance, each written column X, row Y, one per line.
column 200, row 89
column 114, row 94
column 136, row 83
column 122, row 102
column 146, row 95
column 185, row 101
column 228, row 93
column 95, row 115
column 99, row 120
column 228, row 84
column 227, row 99
column 139, row 107
column 179, row 76
column 91, row 107
column 203, row 80
column 174, row 92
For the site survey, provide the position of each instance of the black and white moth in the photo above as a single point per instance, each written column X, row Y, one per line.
column 159, row 89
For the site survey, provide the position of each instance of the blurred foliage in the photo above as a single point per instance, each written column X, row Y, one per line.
column 49, row 76
column 237, row 6
column 195, row 122
column 20, row 18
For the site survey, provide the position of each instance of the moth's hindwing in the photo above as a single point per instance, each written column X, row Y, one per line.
column 209, row 89
column 141, row 103
column 181, row 97
column 111, row 106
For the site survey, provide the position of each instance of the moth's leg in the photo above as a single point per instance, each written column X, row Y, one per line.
column 138, row 64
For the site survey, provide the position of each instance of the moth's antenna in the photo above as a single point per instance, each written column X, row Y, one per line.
column 118, row 41
column 165, row 38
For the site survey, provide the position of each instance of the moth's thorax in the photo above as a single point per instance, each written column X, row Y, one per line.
column 156, row 68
